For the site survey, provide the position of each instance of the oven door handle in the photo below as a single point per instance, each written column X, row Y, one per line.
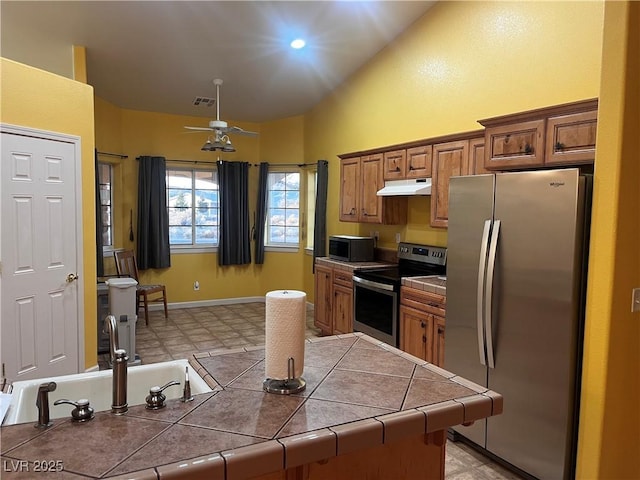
column 369, row 283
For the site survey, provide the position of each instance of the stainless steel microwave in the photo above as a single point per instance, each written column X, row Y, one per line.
column 351, row 249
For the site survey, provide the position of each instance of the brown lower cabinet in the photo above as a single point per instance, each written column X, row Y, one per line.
column 333, row 311
column 422, row 324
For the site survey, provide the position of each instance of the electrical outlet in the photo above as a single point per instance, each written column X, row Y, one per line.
column 635, row 300
column 196, row 285
column 398, row 238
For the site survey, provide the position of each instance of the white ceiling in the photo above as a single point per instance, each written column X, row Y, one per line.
column 159, row 55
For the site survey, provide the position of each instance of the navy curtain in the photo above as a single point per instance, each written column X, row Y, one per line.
column 99, row 254
column 153, row 219
column 234, row 247
column 261, row 213
column 320, row 223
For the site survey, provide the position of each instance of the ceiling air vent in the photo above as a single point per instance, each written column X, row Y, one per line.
column 204, row 101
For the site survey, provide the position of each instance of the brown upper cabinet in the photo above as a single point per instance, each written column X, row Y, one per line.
column 419, row 161
column 414, row 162
column 395, row 165
column 571, row 138
column 361, row 178
column 558, row 135
column 450, row 159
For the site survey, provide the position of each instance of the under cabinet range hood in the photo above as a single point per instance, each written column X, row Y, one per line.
column 414, row 186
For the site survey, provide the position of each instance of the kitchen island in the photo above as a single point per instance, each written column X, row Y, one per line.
column 369, row 410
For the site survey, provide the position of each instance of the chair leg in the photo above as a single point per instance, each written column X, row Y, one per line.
column 146, row 310
column 164, row 299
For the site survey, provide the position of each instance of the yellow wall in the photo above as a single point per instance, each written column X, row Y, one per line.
column 37, row 99
column 136, row 133
column 609, row 440
column 461, row 62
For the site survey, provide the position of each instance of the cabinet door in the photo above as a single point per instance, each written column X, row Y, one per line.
column 476, row 156
column 349, row 189
column 419, row 161
column 438, row 341
column 394, row 165
column 571, row 139
column 414, row 326
column 342, row 309
column 449, row 160
column 371, row 181
column 516, row 145
column 322, row 308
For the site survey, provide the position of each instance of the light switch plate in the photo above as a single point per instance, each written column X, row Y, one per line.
column 635, row 300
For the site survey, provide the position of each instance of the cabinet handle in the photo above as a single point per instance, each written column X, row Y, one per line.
column 528, row 149
column 559, row 146
column 422, row 324
column 440, row 330
column 424, row 339
column 353, row 211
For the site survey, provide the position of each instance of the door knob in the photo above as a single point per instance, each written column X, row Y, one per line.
column 71, row 277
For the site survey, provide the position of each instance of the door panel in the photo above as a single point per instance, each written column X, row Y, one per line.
column 40, row 330
column 535, row 319
column 470, row 205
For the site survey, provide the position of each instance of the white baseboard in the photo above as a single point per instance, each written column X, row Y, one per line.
column 212, row 303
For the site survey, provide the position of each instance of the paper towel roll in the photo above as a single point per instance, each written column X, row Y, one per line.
column 285, row 324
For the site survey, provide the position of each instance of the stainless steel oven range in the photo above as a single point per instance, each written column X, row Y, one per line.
column 376, row 292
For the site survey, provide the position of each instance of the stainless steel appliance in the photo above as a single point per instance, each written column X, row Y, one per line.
column 376, row 292
column 516, row 275
column 349, row 248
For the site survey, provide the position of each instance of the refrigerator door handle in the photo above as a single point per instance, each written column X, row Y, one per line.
column 482, row 268
column 488, row 317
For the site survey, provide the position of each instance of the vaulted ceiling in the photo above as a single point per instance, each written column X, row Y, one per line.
column 159, row 55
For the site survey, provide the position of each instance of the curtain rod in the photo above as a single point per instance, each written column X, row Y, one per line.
column 112, row 154
column 186, row 161
column 251, row 164
column 287, row 164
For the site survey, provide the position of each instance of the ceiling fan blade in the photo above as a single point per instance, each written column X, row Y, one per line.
column 200, row 129
column 240, row 131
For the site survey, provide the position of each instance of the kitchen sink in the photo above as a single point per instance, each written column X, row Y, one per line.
column 96, row 387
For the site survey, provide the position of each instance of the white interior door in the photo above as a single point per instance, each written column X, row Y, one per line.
column 41, row 332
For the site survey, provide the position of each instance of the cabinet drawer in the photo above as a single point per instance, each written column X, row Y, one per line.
column 423, row 301
column 342, row 277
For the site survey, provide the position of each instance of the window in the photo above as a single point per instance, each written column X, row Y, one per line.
column 105, row 180
column 283, row 209
column 194, row 207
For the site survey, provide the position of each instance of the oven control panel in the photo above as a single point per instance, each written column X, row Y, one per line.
column 423, row 253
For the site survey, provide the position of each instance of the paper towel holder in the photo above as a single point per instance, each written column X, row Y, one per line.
column 287, row 386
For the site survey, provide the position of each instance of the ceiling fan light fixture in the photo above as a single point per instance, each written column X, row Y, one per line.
column 208, row 146
column 228, row 147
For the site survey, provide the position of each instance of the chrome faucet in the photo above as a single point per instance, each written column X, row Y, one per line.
column 111, row 327
column 119, row 363
column 119, row 400
column 42, row 402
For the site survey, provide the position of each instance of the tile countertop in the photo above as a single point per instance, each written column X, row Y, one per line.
column 360, row 393
column 432, row 283
column 350, row 266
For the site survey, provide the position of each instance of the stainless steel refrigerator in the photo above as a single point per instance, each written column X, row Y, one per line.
column 516, row 275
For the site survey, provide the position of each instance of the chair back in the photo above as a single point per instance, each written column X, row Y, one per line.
column 126, row 264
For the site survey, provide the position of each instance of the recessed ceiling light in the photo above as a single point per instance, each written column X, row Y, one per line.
column 298, row 43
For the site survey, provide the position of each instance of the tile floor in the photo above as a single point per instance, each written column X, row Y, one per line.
column 190, row 330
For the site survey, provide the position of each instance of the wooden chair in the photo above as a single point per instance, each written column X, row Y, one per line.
column 126, row 266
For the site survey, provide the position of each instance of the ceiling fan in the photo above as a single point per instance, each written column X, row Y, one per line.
column 220, row 129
